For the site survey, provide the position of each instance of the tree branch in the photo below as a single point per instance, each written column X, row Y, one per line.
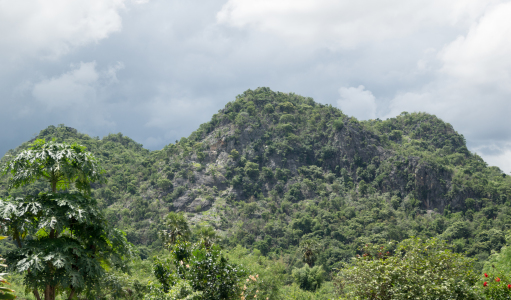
column 71, row 294
column 36, row 294
column 17, row 238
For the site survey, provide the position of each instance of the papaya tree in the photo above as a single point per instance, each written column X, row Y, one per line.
column 59, row 164
column 63, row 241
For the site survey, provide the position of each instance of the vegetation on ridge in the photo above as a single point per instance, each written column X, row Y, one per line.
column 272, row 171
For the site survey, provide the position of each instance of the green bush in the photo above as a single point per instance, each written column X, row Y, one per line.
column 307, row 278
column 270, row 273
column 287, row 118
column 202, row 267
column 416, row 269
column 234, row 154
column 268, row 108
column 252, row 170
column 338, row 124
column 164, row 184
column 495, row 286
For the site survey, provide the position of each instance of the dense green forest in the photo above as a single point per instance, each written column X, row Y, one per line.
column 277, row 175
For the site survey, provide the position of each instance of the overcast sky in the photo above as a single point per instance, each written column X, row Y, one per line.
column 154, row 70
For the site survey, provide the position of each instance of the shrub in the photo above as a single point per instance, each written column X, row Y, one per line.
column 202, row 270
column 308, row 278
column 287, row 118
column 338, row 124
column 495, row 286
column 234, row 154
column 417, row 269
column 164, row 184
column 252, row 170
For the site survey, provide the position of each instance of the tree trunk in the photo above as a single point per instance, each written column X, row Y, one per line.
column 36, row 294
column 49, row 293
column 17, row 238
column 71, row 294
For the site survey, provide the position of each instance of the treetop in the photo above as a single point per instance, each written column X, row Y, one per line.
column 60, row 164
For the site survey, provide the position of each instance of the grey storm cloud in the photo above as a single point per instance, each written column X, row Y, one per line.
column 156, row 69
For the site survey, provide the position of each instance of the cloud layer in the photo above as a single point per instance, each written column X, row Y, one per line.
column 156, row 69
column 53, row 28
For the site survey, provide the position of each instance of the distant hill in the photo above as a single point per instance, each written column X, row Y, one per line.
column 272, row 168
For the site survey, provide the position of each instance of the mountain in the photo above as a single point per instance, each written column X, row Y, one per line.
column 273, row 168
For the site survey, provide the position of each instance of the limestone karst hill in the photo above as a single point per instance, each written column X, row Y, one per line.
column 272, row 168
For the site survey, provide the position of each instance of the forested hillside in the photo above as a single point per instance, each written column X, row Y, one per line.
column 272, row 169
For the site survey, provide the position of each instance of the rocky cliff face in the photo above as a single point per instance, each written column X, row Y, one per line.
column 266, row 142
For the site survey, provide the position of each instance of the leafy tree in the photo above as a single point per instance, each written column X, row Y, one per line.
column 182, row 289
column 252, row 169
column 58, row 163
column 234, row 154
column 307, row 278
column 206, row 234
column 338, row 124
column 417, row 269
column 63, row 240
column 309, row 249
column 176, row 227
column 269, row 273
column 201, row 266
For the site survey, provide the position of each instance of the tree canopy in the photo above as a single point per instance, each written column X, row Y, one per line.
column 60, row 164
column 63, row 240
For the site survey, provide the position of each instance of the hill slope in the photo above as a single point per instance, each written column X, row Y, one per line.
column 272, row 168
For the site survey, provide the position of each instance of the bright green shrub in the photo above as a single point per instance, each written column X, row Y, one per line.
column 416, row 269
column 338, row 124
column 269, row 274
column 202, row 267
column 164, row 184
column 287, row 118
column 308, row 278
column 495, row 286
column 181, row 290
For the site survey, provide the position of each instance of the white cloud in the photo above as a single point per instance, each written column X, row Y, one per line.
column 483, row 56
column 77, row 88
column 188, row 58
column 52, row 28
column 357, row 102
column 166, row 112
column 74, row 87
column 347, row 23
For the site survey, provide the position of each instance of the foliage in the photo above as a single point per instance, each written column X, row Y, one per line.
column 418, row 269
column 495, row 286
column 272, row 169
column 63, row 241
column 309, row 248
column 294, row 292
column 270, row 273
column 60, row 164
column 181, row 290
column 308, row 278
column 496, row 283
column 206, row 270
column 5, row 292
column 176, row 227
